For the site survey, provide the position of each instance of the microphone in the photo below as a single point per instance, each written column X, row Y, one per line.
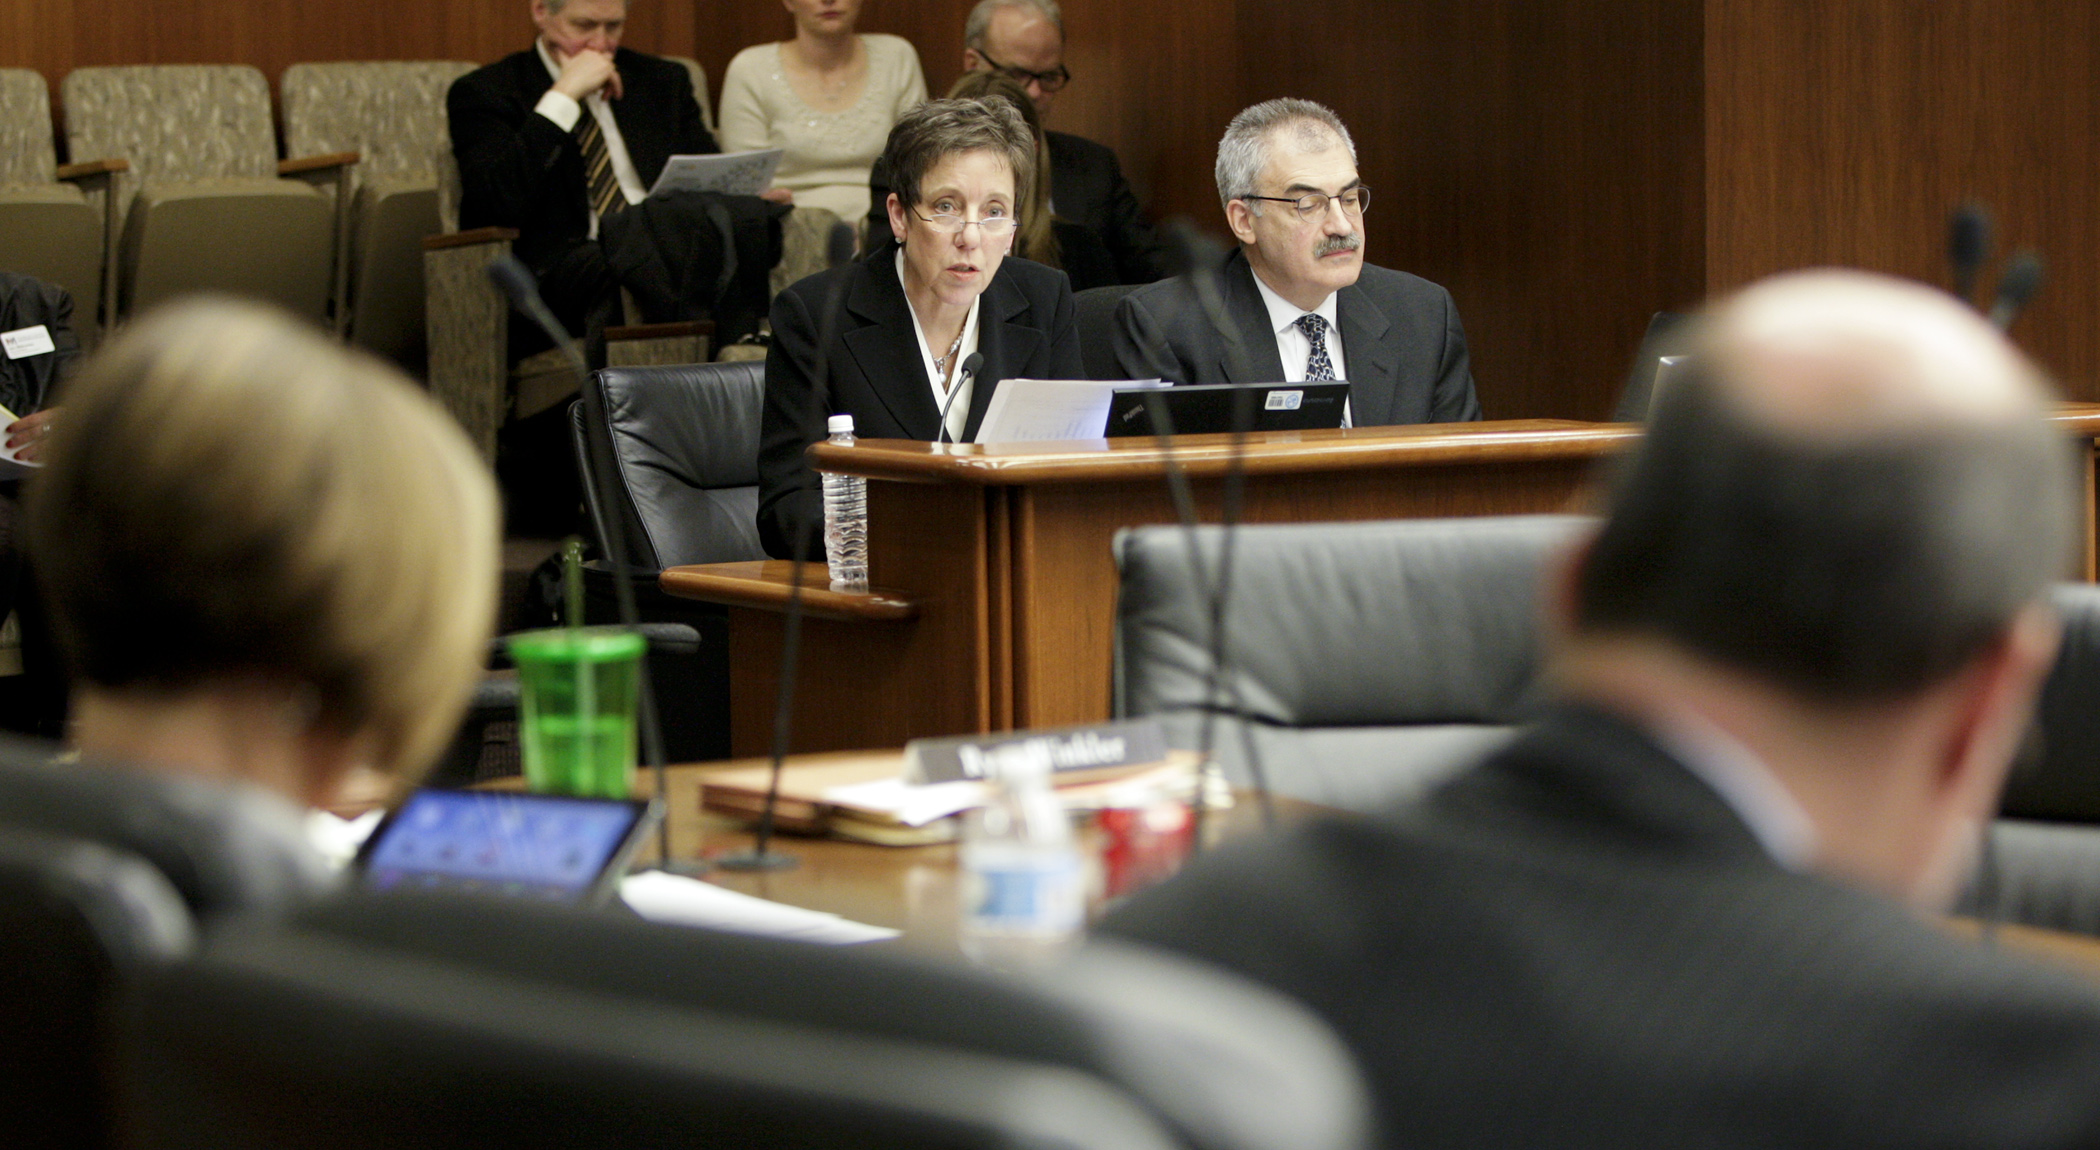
column 1201, row 259
column 967, row 372
column 2022, row 279
column 516, row 282
column 1968, row 246
column 762, row 856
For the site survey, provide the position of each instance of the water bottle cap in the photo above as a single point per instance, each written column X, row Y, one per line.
column 839, row 424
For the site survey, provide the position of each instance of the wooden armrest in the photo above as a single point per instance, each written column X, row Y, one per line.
column 316, row 163
column 468, row 238
column 87, row 168
column 660, row 330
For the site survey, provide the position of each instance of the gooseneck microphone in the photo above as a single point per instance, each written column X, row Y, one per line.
column 1201, row 259
column 1968, row 246
column 971, row 365
column 2016, row 288
column 516, row 282
column 762, row 856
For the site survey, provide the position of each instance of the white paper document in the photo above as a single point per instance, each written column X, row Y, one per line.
column 731, row 173
column 681, row 901
column 1037, row 409
column 11, row 466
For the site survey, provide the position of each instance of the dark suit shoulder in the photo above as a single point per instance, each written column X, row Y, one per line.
column 631, row 63
column 1078, row 149
column 1040, row 283
column 1391, row 283
column 517, row 73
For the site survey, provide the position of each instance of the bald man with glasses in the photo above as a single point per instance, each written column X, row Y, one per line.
column 1025, row 41
column 1301, row 301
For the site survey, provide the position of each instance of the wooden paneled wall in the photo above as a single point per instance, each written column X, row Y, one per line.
column 1844, row 133
column 1565, row 167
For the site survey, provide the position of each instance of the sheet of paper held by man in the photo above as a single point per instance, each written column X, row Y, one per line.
column 12, row 466
column 1037, row 409
column 731, row 173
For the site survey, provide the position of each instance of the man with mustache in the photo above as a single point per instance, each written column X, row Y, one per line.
column 1301, row 300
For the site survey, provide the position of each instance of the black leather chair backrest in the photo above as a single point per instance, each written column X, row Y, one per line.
column 1094, row 317
column 2057, row 775
column 1665, row 333
column 1367, row 657
column 76, row 918
column 224, row 848
column 682, row 446
column 457, row 1022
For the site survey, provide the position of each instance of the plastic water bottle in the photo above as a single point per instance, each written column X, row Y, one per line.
column 845, row 518
column 1024, row 884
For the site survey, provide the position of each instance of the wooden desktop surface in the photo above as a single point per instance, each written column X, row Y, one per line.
column 994, row 606
column 912, row 889
column 915, row 889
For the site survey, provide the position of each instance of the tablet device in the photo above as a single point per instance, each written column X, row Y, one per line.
column 552, row 847
column 1207, row 407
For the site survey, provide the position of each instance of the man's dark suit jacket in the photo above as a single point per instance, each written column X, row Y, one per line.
column 1024, row 331
column 1579, row 944
column 1087, row 188
column 1402, row 345
column 517, row 169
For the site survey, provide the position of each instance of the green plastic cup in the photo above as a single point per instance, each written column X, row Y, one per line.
column 577, row 689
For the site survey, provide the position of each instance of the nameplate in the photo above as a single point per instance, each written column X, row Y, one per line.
column 27, row 341
column 1076, row 754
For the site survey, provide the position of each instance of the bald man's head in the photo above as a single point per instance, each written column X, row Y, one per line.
column 1850, row 492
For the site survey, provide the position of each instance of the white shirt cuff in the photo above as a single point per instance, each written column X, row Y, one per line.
column 560, row 109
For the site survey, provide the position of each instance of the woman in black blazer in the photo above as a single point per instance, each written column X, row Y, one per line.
column 883, row 338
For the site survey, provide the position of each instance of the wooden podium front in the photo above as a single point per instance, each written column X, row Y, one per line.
column 994, row 606
column 996, row 589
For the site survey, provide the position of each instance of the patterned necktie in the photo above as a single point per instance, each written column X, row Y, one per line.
column 1318, row 366
column 598, row 177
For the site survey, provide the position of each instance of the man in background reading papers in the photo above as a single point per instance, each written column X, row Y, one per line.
column 1694, row 904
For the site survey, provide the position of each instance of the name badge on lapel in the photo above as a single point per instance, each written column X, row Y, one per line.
column 25, row 341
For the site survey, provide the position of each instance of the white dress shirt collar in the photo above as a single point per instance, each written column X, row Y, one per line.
column 959, row 408
column 1742, row 781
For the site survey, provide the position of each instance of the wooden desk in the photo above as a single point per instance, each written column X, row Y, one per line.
column 996, row 600
column 912, row 889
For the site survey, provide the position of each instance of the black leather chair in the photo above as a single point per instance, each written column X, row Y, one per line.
column 1094, row 317
column 224, row 849
column 1665, row 332
column 423, row 1021
column 675, row 462
column 76, row 918
column 1367, row 661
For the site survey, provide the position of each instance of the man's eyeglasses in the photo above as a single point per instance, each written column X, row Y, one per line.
column 1049, row 81
column 994, row 227
column 1356, row 201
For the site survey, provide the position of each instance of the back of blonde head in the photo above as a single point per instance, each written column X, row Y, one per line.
column 232, row 498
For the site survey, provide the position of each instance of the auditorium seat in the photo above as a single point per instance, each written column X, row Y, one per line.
column 54, row 222
column 387, row 112
column 418, row 1020
column 203, row 206
column 468, row 320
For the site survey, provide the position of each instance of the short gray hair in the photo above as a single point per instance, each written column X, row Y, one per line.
column 940, row 128
column 1244, row 150
column 980, row 20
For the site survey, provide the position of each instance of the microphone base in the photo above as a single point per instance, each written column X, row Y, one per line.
column 750, row 861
